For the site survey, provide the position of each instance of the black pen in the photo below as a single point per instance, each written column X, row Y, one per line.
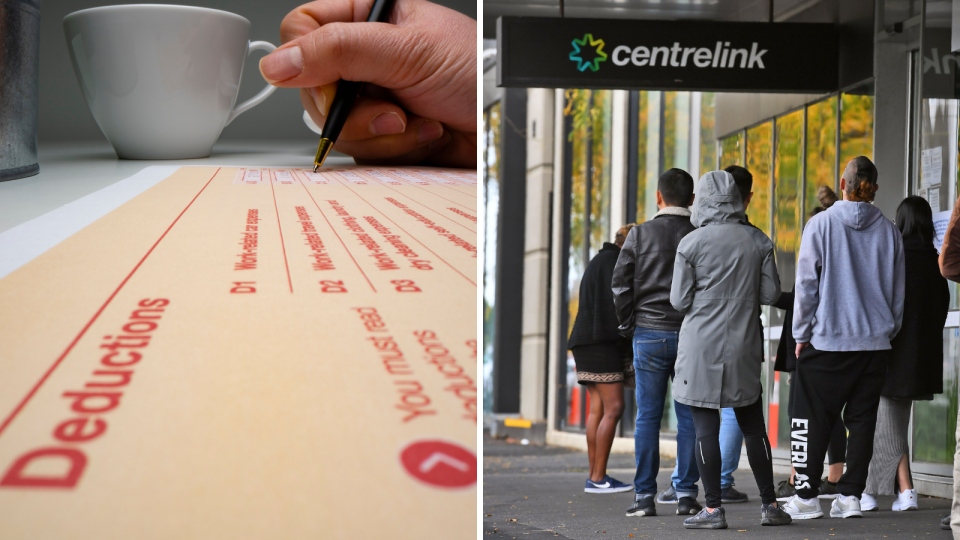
column 346, row 94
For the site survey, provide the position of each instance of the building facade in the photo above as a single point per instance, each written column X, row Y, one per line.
column 565, row 168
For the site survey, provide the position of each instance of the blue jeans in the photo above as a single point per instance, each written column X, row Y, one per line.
column 654, row 357
column 731, row 443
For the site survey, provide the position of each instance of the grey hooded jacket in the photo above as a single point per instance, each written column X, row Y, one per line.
column 850, row 280
column 723, row 271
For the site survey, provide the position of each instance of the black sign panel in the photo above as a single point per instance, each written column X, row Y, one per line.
column 668, row 55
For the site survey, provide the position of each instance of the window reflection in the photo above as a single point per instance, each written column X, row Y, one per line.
column 821, row 150
column 708, row 145
column 491, row 205
column 759, row 157
column 648, row 154
column 731, row 150
column 934, row 422
column 589, row 117
column 856, row 123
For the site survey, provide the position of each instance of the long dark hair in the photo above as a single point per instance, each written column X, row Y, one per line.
column 915, row 220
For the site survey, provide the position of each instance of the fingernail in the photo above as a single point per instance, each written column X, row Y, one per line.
column 320, row 100
column 387, row 124
column 429, row 131
column 282, row 64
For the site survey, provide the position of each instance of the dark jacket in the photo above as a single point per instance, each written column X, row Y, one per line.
column 644, row 273
column 596, row 320
column 787, row 349
column 915, row 369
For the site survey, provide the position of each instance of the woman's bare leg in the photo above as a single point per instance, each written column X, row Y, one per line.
column 611, row 394
column 835, row 472
column 903, row 474
column 593, row 420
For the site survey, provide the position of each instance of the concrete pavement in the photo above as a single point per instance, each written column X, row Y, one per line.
column 537, row 492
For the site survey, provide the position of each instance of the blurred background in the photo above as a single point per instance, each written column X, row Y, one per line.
column 64, row 115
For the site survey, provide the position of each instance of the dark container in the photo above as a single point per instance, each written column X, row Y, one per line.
column 19, row 87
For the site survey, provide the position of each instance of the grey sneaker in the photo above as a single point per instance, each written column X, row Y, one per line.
column 731, row 495
column 945, row 522
column 828, row 489
column 688, row 506
column 845, row 506
column 774, row 515
column 785, row 490
column 802, row 510
column 642, row 507
column 707, row 520
column 667, row 496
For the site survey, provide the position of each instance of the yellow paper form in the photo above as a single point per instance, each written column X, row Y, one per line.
column 248, row 353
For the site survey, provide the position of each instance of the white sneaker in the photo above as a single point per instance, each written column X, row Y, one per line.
column 845, row 506
column 803, row 509
column 868, row 503
column 907, row 500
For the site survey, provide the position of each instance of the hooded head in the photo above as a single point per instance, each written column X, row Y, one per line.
column 717, row 200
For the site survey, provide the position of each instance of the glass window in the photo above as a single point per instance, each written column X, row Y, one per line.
column 731, row 150
column 934, row 422
column 856, row 123
column 708, row 145
column 648, row 154
column 821, row 150
column 759, row 161
column 589, row 114
column 676, row 130
column 786, row 225
column 491, row 205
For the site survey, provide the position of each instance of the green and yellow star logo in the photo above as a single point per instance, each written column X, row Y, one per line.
column 600, row 56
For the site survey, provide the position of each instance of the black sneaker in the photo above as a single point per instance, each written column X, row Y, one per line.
column 785, row 490
column 643, row 507
column 945, row 522
column 667, row 496
column 774, row 515
column 828, row 489
column 731, row 495
column 707, row 520
column 688, row 506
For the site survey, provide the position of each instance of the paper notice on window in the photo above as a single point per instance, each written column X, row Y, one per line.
column 933, row 197
column 931, row 166
column 940, row 221
column 248, row 353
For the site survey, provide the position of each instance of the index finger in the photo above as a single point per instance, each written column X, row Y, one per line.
column 310, row 16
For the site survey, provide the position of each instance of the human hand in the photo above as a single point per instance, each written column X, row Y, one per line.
column 419, row 105
column 800, row 347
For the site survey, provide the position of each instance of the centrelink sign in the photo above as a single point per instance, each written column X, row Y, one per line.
column 668, row 55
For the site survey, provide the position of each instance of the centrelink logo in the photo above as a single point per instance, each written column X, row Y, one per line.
column 721, row 56
column 599, row 55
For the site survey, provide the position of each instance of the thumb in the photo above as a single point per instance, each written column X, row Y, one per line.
column 379, row 53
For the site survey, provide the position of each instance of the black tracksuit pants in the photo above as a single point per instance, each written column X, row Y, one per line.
column 826, row 381
column 750, row 419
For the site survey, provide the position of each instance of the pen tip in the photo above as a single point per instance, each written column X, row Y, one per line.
column 315, row 167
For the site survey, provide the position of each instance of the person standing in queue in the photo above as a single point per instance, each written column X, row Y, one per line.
column 602, row 357
column 848, row 306
column 787, row 362
column 723, row 272
column 641, row 293
column 950, row 269
column 915, row 368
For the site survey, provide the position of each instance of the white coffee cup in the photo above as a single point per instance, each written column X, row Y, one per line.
column 161, row 81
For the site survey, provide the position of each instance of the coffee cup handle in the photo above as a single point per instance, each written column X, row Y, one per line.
column 265, row 93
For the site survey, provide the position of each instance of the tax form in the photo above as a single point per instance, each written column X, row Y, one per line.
column 246, row 353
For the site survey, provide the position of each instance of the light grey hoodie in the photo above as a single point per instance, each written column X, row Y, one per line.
column 723, row 271
column 850, row 280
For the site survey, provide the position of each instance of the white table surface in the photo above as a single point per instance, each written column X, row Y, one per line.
column 71, row 170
